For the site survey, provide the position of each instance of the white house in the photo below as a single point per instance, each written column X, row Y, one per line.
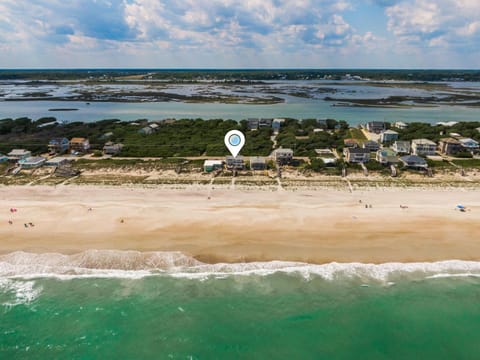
column 423, row 147
column 388, row 135
column 356, row 155
column 400, row 125
column 401, row 147
column 469, row 144
column 19, row 154
column 386, row 156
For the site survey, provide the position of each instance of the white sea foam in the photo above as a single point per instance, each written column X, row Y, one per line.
column 135, row 265
column 19, row 292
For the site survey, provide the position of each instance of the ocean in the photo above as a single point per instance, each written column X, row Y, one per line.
column 130, row 305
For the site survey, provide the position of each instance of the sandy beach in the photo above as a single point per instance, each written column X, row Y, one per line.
column 233, row 226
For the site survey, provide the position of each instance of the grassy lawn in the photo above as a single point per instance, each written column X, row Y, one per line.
column 468, row 163
column 356, row 134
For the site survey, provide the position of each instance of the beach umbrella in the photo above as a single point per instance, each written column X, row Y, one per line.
column 460, row 207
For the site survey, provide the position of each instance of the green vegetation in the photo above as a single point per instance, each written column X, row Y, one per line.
column 238, row 75
column 357, row 134
column 332, row 136
column 436, row 132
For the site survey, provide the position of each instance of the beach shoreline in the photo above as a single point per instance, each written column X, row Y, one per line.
column 225, row 225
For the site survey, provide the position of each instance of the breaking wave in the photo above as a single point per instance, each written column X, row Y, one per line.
column 134, row 264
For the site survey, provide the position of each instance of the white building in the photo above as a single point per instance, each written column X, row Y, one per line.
column 401, row 147
column 469, row 144
column 423, row 147
column 400, row 125
column 388, row 135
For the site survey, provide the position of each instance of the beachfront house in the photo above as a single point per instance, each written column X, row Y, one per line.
column 258, row 163
column 327, row 156
column 401, row 147
column 387, row 156
column 277, row 124
column 400, row 125
column 58, row 145
column 235, row 163
column 449, row 146
column 388, row 136
column 252, row 124
column 283, row 156
column 371, row 145
column 376, row 127
column 423, row 147
column 19, row 154
column 58, row 161
column 356, row 155
column 32, row 162
column 3, row 158
column 414, row 162
column 111, row 148
column 265, row 123
column 212, row 165
column 469, row 144
column 78, row 144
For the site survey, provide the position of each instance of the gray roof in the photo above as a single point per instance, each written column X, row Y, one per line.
column 358, row 150
column 413, row 159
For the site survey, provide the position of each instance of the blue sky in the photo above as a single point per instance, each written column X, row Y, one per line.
column 240, row 33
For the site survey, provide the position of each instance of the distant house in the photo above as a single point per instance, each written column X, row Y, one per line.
column 322, row 123
column 277, row 124
column 423, row 147
column 400, row 125
column 111, row 148
column 414, row 162
column 154, row 126
column 327, row 156
column 58, row 161
column 106, row 135
column 169, row 121
column 3, row 158
column 401, row 147
column 212, row 165
column 19, row 154
column 387, row 156
column 258, row 163
column 235, row 163
column 371, row 145
column 447, row 124
column 376, row 127
column 81, row 145
column 147, row 130
column 449, row 146
column 58, row 146
column 469, row 144
column 283, row 156
column 388, row 135
column 356, row 155
column 478, row 129
column 265, row 123
column 350, row 142
column 252, row 124
column 32, row 162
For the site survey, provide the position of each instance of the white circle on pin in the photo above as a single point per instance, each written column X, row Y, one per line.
column 234, row 141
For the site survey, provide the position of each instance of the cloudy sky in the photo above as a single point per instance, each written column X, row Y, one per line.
column 240, row 33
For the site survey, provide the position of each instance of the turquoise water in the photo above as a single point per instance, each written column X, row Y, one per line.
column 254, row 315
column 298, row 109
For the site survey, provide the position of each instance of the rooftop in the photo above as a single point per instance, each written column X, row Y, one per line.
column 423, row 142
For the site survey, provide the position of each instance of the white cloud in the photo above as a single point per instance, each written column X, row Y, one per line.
column 434, row 23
